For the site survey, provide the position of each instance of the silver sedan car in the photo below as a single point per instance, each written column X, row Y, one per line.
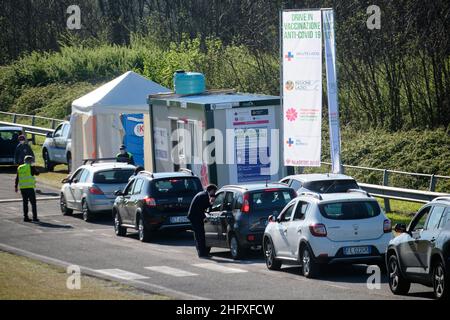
column 90, row 189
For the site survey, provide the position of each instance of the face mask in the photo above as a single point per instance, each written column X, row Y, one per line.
column 123, row 151
column 22, row 142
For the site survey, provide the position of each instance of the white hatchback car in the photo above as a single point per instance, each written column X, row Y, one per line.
column 316, row 229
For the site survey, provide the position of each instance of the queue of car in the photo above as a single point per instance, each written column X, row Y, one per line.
column 310, row 220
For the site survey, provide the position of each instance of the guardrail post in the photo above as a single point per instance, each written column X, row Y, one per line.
column 432, row 183
column 14, row 119
column 387, row 203
column 33, row 137
column 53, row 124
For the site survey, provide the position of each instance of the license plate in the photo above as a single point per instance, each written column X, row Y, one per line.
column 179, row 219
column 352, row 251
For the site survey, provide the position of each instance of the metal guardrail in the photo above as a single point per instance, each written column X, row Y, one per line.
column 388, row 192
column 400, row 193
column 32, row 129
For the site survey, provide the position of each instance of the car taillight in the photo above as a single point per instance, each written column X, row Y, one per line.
column 387, row 226
column 150, row 202
column 246, row 204
column 95, row 190
column 318, row 230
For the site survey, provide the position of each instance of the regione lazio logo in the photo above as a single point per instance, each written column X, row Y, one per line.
column 289, row 85
column 291, row 114
column 289, row 56
column 139, row 130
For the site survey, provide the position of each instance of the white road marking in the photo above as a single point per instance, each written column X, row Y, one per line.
column 219, row 268
column 85, row 270
column 171, row 271
column 121, row 274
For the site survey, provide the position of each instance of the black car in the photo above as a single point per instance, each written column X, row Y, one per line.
column 155, row 201
column 421, row 253
column 9, row 139
column 239, row 214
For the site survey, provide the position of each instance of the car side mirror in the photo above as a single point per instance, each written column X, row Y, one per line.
column 49, row 135
column 272, row 219
column 118, row 193
column 400, row 228
column 65, row 180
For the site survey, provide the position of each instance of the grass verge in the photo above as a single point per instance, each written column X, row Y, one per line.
column 27, row 279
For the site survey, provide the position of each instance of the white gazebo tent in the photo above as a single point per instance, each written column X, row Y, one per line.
column 96, row 129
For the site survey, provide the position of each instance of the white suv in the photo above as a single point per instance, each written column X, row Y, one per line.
column 315, row 229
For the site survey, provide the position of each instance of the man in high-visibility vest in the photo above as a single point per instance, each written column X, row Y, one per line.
column 124, row 155
column 26, row 182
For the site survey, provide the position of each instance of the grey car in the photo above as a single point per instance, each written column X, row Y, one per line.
column 90, row 189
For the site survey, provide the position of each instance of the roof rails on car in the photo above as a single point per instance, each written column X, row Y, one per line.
column 445, row 198
column 237, row 186
column 312, row 194
column 92, row 161
column 187, row 171
column 360, row 191
column 148, row 173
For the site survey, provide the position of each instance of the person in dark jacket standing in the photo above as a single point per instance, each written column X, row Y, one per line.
column 23, row 149
column 196, row 215
column 26, row 182
column 125, row 156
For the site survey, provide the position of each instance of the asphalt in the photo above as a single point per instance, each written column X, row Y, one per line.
column 169, row 264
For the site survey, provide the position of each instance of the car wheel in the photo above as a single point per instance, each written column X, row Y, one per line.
column 235, row 249
column 87, row 214
column 440, row 281
column 49, row 165
column 118, row 229
column 144, row 233
column 63, row 204
column 397, row 283
column 269, row 253
column 310, row 268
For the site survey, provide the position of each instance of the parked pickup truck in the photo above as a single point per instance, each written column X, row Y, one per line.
column 57, row 147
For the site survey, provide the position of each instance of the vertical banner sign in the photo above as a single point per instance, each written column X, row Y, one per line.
column 332, row 90
column 302, row 87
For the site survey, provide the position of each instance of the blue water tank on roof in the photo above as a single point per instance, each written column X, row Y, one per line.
column 187, row 83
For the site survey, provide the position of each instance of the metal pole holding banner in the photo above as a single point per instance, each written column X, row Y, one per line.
column 332, row 89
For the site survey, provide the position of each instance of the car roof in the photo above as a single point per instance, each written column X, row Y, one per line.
column 256, row 186
column 163, row 175
column 333, row 197
column 445, row 200
column 11, row 129
column 319, row 177
column 108, row 165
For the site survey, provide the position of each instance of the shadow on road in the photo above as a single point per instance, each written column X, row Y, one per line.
column 8, row 169
column 46, row 194
column 168, row 238
column 53, row 226
column 340, row 273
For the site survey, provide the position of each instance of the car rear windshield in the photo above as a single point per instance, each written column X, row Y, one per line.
column 113, row 176
column 271, row 199
column 350, row 210
column 331, row 186
column 11, row 136
column 175, row 187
